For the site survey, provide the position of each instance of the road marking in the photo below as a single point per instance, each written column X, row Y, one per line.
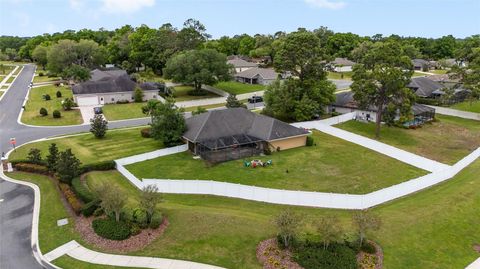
column 1, row 200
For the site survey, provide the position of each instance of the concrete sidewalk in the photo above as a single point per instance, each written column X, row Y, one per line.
column 76, row 251
column 456, row 113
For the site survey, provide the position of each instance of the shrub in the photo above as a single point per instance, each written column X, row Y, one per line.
column 146, row 132
column 98, row 212
column 41, row 74
column 56, row 114
column 139, row 217
column 47, row 97
column 123, row 102
column 71, row 198
column 309, row 141
column 312, row 255
column 43, row 111
column 197, row 93
column 90, row 208
column 68, row 104
column 110, row 229
column 100, row 166
column 368, row 248
column 135, row 229
column 31, row 168
column 138, row 95
column 35, row 156
column 59, row 94
column 82, row 191
column 267, row 150
column 15, row 162
column 156, row 221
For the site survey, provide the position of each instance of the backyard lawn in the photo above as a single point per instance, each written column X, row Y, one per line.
column 435, row 228
column 118, row 143
column 468, row 106
column 35, row 101
column 338, row 75
column 448, row 140
column 181, row 94
column 334, row 165
column 235, row 87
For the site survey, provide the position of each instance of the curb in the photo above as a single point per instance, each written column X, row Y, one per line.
column 8, row 76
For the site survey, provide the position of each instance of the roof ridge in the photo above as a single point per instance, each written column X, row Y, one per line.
column 203, row 124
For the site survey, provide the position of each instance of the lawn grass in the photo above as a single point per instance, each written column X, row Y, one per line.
column 193, row 108
column 418, row 74
column 35, row 102
column 235, row 87
column 447, row 141
column 1, row 93
column 6, row 69
column 18, row 70
column 44, row 78
column 123, row 111
column 66, row 261
column 338, row 75
column 149, row 76
column 438, row 71
column 334, row 165
column 10, row 79
column 181, row 94
column 468, row 106
column 116, row 144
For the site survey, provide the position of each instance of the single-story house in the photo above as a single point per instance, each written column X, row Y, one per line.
column 342, row 65
column 235, row 133
column 241, row 65
column 420, row 64
column 426, row 87
column 110, row 86
column 257, row 75
column 345, row 103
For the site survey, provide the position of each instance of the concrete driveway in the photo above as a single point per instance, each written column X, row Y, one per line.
column 87, row 113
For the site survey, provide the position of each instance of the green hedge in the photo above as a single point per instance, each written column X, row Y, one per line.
column 110, row 229
column 312, row 255
column 82, row 191
column 32, row 168
column 15, row 162
column 100, row 166
column 89, row 209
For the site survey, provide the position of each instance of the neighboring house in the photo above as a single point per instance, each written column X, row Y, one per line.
column 241, row 65
column 426, row 87
column 342, row 65
column 109, row 86
column 420, row 64
column 345, row 103
column 235, row 133
column 256, row 75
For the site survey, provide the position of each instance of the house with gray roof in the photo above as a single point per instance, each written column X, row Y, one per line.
column 241, row 65
column 256, row 75
column 235, row 133
column 420, row 64
column 110, row 86
column 342, row 65
column 426, row 87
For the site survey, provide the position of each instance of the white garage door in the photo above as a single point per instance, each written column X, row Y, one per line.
column 87, row 101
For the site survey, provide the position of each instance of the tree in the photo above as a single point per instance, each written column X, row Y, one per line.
column 168, row 123
column 76, row 73
column 34, row 155
column 287, row 223
column 381, row 78
column 364, row 222
column 199, row 110
column 192, row 35
column 150, row 107
column 68, row 166
column 198, row 67
column 329, row 230
column 98, row 126
column 52, row 157
column 469, row 52
column 112, row 198
column 68, row 104
column 149, row 199
column 232, row 101
column 138, row 95
column 65, row 53
column 39, row 54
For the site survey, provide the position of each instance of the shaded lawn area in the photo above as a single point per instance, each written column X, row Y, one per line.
column 123, row 111
column 468, row 106
column 35, row 101
column 334, row 165
column 448, row 140
column 116, row 144
column 181, row 94
column 338, row 75
column 235, row 87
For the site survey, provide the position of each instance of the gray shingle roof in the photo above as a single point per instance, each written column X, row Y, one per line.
column 424, row 87
column 343, row 61
column 105, row 85
column 265, row 73
column 420, row 62
column 237, row 63
column 217, row 124
column 97, row 74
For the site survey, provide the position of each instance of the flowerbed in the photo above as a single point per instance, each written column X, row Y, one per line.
column 371, row 260
column 272, row 257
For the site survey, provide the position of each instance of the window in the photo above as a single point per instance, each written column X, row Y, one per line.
column 154, row 96
column 113, row 99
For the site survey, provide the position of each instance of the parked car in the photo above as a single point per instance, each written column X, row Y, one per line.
column 255, row 99
column 97, row 110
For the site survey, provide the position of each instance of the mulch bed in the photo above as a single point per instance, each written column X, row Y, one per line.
column 476, row 247
column 272, row 257
column 133, row 243
column 371, row 261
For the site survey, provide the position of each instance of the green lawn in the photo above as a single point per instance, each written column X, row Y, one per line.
column 468, row 106
column 10, row 79
column 149, row 76
column 18, row 70
column 181, row 94
column 1, row 93
column 438, row 71
column 448, row 140
column 418, row 74
column 117, row 144
column 334, row 165
column 235, row 87
column 44, row 78
column 338, row 75
column 123, row 111
column 7, row 69
column 35, row 102
column 68, row 262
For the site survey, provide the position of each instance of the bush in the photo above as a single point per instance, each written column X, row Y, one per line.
column 197, row 93
column 123, row 102
column 309, row 141
column 68, row 104
column 56, row 114
column 31, row 168
column 135, row 229
column 59, row 94
column 146, row 132
column 110, row 229
column 90, row 208
column 41, row 74
column 157, row 220
column 368, row 248
column 312, row 255
column 100, row 166
column 15, row 162
column 98, row 212
column 71, row 198
column 43, row 111
column 82, row 191
column 47, row 97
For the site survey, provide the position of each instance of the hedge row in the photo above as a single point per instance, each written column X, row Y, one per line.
column 82, row 191
column 100, row 166
column 71, row 198
column 32, row 168
column 15, row 162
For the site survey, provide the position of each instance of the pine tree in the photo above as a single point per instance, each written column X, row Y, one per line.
column 52, row 157
column 68, row 166
column 232, row 102
column 98, row 126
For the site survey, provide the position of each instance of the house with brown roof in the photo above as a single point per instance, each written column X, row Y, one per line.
column 235, row 133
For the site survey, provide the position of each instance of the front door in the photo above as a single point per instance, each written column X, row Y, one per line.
column 102, row 101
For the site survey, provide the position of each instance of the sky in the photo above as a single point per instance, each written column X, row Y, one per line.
column 425, row 18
